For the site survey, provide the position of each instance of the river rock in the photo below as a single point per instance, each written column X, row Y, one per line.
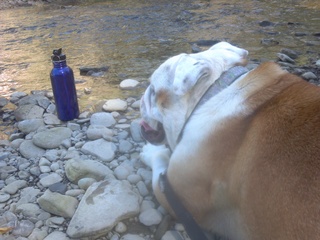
column 29, row 150
column 88, row 71
column 94, row 217
column 56, row 235
column 100, row 148
column 58, row 204
column 150, row 217
column 124, row 146
column 28, row 195
column 309, row 76
column 51, row 119
column 102, row 119
column 115, row 105
column 77, row 169
column 3, row 101
column 129, row 84
column 51, row 138
column 23, row 228
column 131, row 237
column 13, row 187
column 28, row 210
column 135, row 130
column 172, row 235
column 30, row 125
column 98, row 131
column 28, row 111
column 50, row 179
column 4, row 197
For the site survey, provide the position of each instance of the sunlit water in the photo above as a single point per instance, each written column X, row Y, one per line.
column 134, row 37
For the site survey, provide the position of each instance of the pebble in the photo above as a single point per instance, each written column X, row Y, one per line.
column 129, row 84
column 102, row 119
column 115, row 105
column 102, row 149
column 58, row 204
column 150, row 217
column 50, row 179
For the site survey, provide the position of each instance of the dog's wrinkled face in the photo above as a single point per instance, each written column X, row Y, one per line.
column 178, row 84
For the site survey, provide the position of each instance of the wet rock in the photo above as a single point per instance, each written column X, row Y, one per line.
column 115, row 105
column 128, row 84
column 195, row 48
column 87, row 71
column 266, row 24
column 285, row 58
column 100, row 148
column 94, row 217
column 291, row 53
column 58, row 204
column 269, row 42
column 207, row 43
column 58, row 187
column 51, row 138
column 77, row 168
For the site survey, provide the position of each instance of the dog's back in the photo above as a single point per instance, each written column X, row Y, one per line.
column 281, row 151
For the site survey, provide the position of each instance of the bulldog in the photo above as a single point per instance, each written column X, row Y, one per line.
column 245, row 161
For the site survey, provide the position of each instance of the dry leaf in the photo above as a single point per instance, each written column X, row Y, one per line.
column 4, row 230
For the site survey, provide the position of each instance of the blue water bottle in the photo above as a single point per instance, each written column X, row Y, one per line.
column 63, row 86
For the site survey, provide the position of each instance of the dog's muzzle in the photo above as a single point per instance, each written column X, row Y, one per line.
column 153, row 136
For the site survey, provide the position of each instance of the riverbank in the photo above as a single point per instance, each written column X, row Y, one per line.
column 8, row 4
column 83, row 179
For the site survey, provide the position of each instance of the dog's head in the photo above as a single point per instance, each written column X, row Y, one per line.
column 178, row 84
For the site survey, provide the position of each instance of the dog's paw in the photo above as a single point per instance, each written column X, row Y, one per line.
column 151, row 152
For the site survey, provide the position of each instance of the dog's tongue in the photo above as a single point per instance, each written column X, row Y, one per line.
column 151, row 135
column 146, row 126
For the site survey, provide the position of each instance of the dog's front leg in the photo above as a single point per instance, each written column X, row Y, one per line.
column 157, row 158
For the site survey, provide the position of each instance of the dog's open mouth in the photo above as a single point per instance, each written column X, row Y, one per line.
column 151, row 135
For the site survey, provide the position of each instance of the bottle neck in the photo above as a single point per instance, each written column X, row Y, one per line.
column 59, row 64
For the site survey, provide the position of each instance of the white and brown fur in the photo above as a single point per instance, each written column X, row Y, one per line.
column 248, row 164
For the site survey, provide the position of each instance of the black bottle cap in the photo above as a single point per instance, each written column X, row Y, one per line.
column 58, row 56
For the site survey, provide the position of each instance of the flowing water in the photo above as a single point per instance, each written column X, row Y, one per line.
column 134, row 37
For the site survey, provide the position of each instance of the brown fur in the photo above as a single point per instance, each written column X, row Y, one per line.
column 269, row 160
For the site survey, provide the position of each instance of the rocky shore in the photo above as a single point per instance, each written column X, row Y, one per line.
column 83, row 179
column 80, row 179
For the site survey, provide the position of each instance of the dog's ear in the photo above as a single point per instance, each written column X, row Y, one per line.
column 187, row 72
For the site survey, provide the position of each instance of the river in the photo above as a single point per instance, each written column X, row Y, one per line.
column 133, row 37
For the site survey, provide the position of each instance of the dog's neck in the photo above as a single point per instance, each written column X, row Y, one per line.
column 225, row 80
